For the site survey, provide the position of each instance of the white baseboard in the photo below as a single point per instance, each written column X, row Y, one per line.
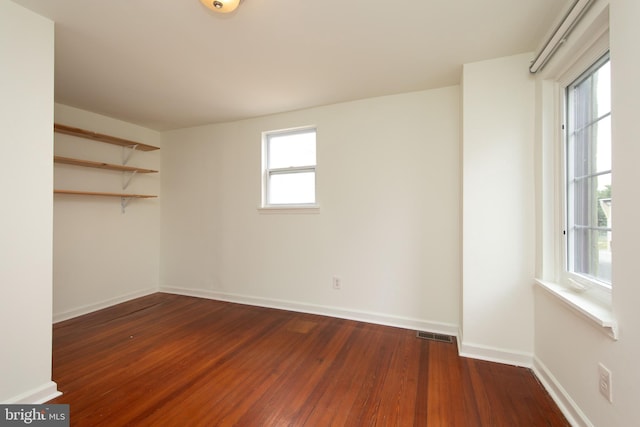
column 85, row 309
column 493, row 354
column 363, row 316
column 38, row 395
column 569, row 408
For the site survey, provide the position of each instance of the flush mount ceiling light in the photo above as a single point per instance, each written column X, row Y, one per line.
column 221, row 6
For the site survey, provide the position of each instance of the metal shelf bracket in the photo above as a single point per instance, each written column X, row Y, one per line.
column 124, row 202
column 126, row 180
column 127, row 152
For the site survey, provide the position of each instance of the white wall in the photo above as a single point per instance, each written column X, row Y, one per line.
column 26, row 120
column 388, row 188
column 498, row 210
column 102, row 256
column 390, row 180
column 567, row 346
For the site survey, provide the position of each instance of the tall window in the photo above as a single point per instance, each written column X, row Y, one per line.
column 289, row 167
column 588, row 176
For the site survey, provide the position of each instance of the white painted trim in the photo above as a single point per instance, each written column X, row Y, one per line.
column 85, row 309
column 38, row 395
column 567, row 405
column 588, row 307
column 341, row 313
column 493, row 354
column 290, row 209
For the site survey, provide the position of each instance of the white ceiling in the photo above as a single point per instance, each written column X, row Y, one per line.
column 170, row 64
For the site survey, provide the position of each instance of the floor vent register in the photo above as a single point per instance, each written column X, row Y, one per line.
column 434, row 337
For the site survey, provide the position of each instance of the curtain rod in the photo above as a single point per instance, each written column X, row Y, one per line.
column 560, row 34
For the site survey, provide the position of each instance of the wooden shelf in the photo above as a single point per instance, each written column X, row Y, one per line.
column 95, row 193
column 68, row 130
column 100, row 165
column 133, row 146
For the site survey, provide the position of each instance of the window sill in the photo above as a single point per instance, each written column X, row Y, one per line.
column 596, row 311
column 289, row 209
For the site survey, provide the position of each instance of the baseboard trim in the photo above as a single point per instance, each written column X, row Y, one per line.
column 38, row 395
column 493, row 354
column 357, row 315
column 85, row 309
column 567, row 405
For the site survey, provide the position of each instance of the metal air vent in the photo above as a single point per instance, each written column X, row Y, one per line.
column 434, row 336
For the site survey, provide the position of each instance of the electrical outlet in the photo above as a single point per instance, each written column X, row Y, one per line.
column 337, row 283
column 604, row 382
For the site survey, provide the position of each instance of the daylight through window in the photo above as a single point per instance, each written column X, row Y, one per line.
column 290, row 168
column 588, row 174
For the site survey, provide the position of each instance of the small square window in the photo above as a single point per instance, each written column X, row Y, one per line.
column 289, row 168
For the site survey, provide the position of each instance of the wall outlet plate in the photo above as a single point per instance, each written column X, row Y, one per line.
column 604, row 382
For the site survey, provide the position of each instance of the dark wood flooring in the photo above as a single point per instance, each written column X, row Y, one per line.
column 168, row 360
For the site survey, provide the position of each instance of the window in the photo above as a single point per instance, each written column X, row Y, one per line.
column 588, row 176
column 289, row 168
column 574, row 165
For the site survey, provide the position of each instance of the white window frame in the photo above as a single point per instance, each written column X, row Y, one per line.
column 574, row 279
column 588, row 42
column 267, row 172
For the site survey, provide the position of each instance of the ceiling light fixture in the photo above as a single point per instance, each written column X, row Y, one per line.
column 221, row 6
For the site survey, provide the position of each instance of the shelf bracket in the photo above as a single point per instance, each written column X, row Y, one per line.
column 124, row 202
column 127, row 180
column 126, row 155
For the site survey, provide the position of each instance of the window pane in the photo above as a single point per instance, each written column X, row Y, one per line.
column 582, row 164
column 582, row 206
column 589, row 175
column 603, row 186
column 580, row 247
column 292, row 149
column 588, row 196
column 592, row 254
column 603, row 144
column 582, row 104
column 603, row 89
column 292, row 188
column 601, row 265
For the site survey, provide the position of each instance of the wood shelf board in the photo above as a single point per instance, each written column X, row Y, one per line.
column 82, row 133
column 100, row 165
column 96, row 193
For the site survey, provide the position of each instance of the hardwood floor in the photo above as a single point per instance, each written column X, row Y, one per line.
column 168, row 360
